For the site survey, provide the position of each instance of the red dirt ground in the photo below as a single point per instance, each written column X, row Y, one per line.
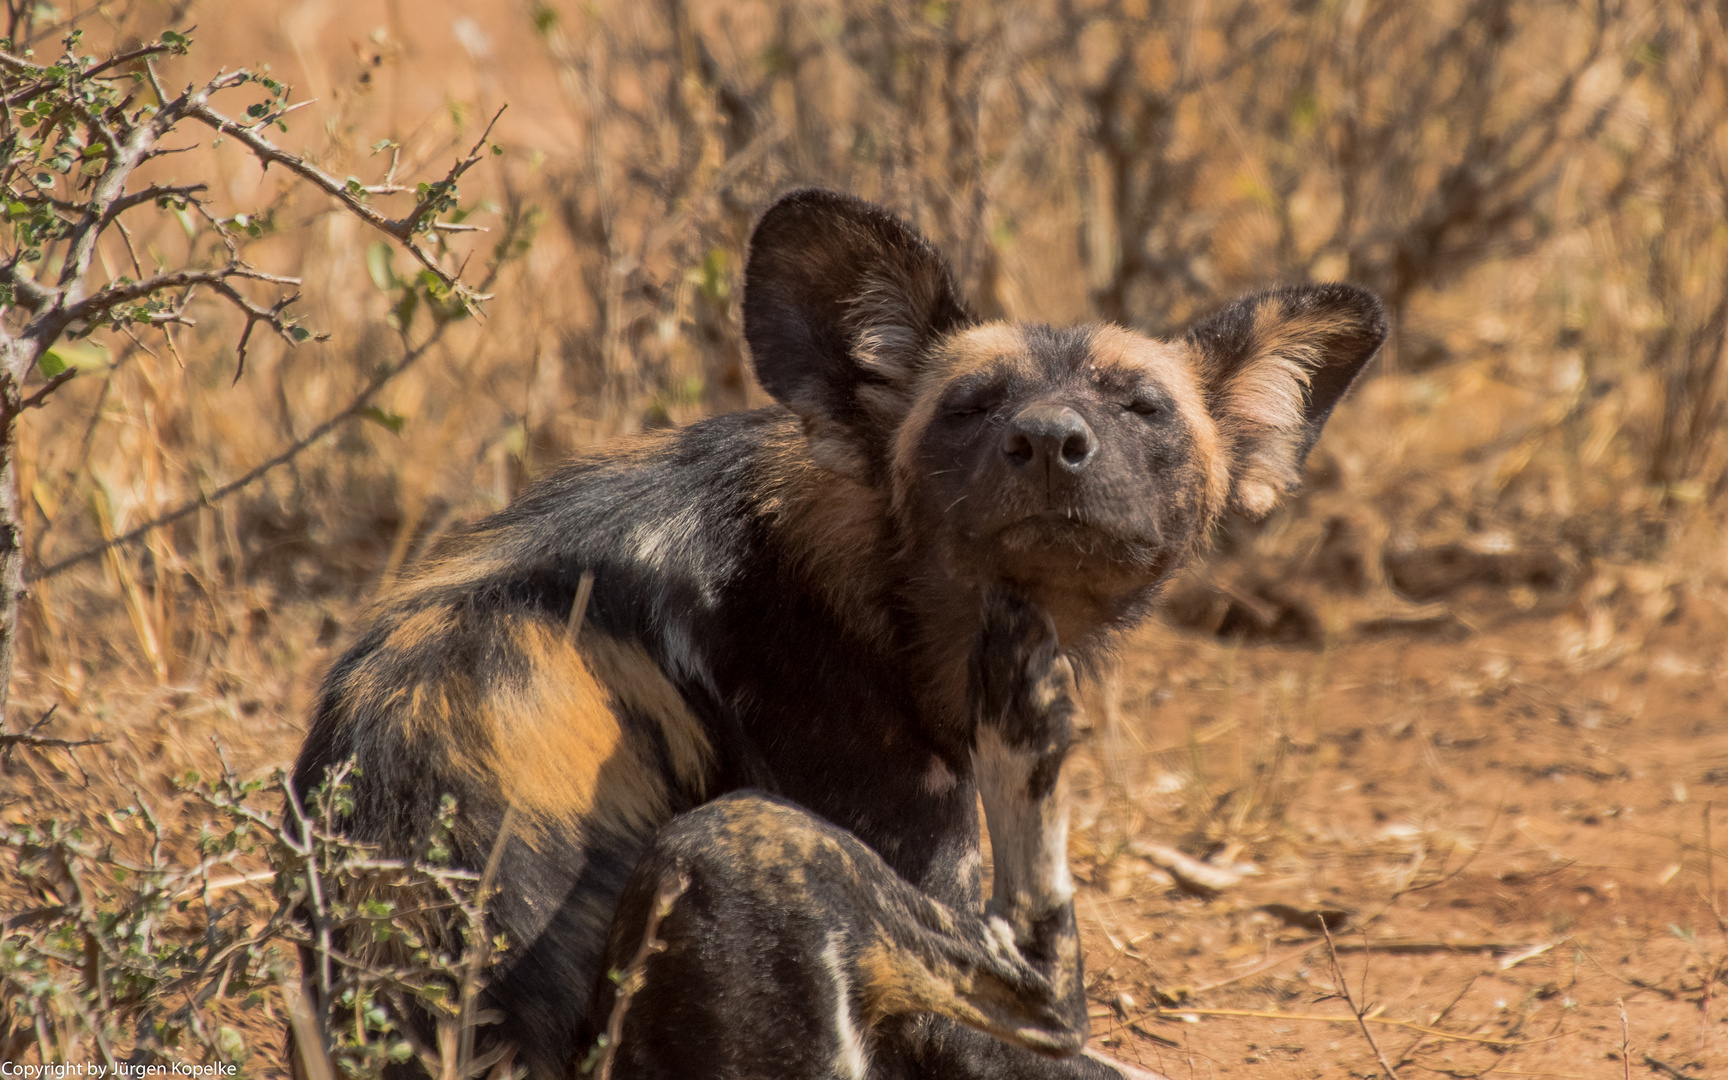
column 1518, row 829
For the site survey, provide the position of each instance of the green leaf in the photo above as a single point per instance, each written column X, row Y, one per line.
column 299, row 333
column 83, row 355
column 378, row 265
column 393, row 421
column 434, row 285
column 258, row 111
column 51, row 364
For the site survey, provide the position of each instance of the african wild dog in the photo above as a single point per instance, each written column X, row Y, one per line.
column 789, row 599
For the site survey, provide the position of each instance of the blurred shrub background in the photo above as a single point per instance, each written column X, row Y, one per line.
column 1536, row 188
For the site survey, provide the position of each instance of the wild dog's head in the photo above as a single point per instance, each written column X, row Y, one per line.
column 1079, row 464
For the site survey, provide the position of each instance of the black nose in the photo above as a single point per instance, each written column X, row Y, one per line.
column 1048, row 434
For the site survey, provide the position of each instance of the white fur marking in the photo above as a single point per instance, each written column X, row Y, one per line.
column 852, row 1062
column 1028, row 839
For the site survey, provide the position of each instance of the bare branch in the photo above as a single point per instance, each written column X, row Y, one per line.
column 402, row 230
column 271, row 317
column 126, row 235
column 35, row 198
column 155, row 83
column 164, row 151
column 38, row 742
column 94, row 307
column 119, row 59
column 424, row 207
column 1359, row 1010
column 19, row 64
column 631, row 980
column 33, row 293
column 36, row 400
column 151, row 194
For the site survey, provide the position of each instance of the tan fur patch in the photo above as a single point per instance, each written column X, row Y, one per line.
column 895, row 982
column 635, row 682
column 558, row 752
column 420, row 629
column 446, row 570
column 833, row 526
column 1271, row 389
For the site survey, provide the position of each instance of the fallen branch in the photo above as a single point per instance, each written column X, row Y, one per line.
column 9, row 740
column 1396, row 947
column 1658, row 1065
column 1190, row 874
column 1359, row 1011
column 1317, row 1018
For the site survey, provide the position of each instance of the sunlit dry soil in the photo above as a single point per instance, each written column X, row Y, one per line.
column 1517, row 832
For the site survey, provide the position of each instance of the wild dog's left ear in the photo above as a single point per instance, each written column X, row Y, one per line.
column 841, row 302
column 1273, row 365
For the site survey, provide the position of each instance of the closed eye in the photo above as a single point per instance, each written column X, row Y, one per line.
column 974, row 401
column 1146, row 407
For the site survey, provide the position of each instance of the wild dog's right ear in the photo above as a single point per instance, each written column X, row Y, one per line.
column 841, row 303
column 1273, row 365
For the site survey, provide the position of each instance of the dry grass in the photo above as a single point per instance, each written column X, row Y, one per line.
column 1468, row 689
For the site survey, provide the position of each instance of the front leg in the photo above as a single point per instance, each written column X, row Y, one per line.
column 1026, row 709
